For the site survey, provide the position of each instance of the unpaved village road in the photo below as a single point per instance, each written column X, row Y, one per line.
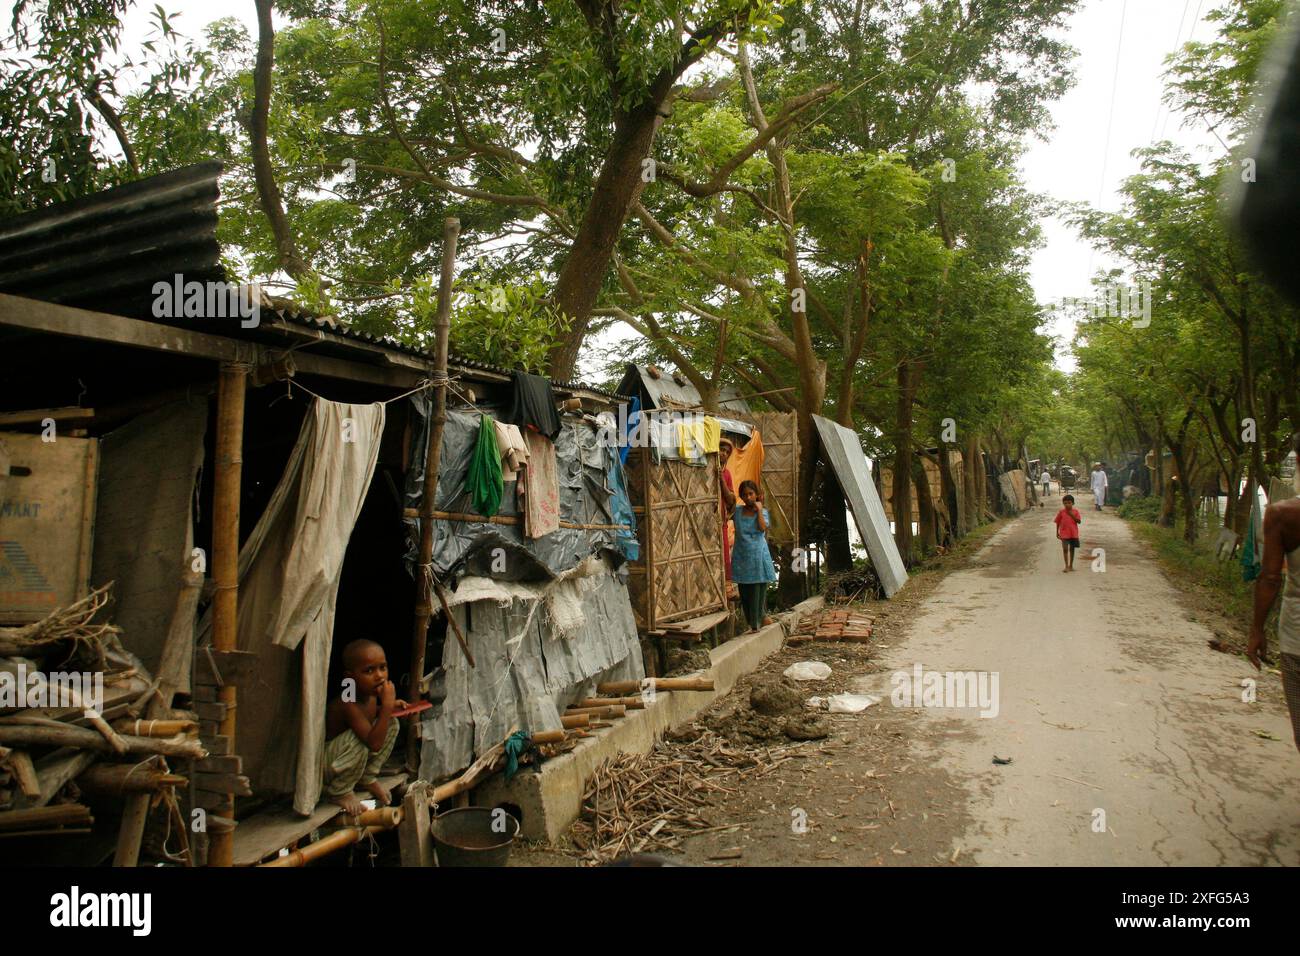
column 1109, row 701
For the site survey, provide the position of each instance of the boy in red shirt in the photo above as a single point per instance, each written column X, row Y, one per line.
column 1067, row 529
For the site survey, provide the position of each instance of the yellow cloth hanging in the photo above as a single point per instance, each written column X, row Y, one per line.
column 706, row 433
column 712, row 435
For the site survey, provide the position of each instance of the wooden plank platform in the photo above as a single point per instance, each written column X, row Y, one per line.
column 264, row 834
column 696, row 625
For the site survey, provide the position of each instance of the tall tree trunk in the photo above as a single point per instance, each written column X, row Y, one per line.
column 927, row 521
column 948, row 488
column 901, row 492
column 971, row 471
column 268, row 190
column 839, row 554
column 617, row 188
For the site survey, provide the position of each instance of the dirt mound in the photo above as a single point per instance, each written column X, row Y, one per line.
column 680, row 661
column 774, row 697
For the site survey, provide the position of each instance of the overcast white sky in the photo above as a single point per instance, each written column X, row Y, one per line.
column 1121, row 44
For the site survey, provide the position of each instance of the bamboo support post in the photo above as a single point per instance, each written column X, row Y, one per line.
column 413, row 839
column 658, row 683
column 432, row 459
column 227, row 479
column 451, row 621
column 131, row 833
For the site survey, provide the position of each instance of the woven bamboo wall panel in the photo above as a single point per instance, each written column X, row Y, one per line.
column 780, row 434
column 679, row 525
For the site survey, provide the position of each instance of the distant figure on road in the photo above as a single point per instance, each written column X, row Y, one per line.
column 1099, row 484
column 1281, row 540
column 1047, row 484
column 1067, row 529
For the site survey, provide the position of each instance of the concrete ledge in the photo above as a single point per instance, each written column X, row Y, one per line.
column 551, row 800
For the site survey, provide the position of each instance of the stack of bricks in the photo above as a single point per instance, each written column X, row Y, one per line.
column 837, row 625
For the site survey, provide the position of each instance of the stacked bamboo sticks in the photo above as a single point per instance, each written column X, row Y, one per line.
column 643, row 802
column 58, row 759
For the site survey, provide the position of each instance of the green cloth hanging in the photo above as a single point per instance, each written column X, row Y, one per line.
column 483, row 481
column 1252, row 551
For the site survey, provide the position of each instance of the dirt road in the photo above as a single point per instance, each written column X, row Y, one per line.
column 1128, row 737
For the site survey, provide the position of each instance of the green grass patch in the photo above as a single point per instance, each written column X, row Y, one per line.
column 1195, row 567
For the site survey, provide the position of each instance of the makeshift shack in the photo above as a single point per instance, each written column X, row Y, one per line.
column 246, row 516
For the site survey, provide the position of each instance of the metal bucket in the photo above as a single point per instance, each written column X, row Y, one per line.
column 465, row 837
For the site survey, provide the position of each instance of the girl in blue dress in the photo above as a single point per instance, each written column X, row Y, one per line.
column 751, row 561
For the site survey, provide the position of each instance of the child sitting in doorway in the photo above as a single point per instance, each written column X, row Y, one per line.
column 360, row 728
column 751, row 560
column 1068, row 520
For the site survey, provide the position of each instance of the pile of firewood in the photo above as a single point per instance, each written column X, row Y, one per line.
column 637, row 803
column 60, row 762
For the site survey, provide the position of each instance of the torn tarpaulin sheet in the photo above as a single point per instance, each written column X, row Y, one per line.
column 529, row 682
column 467, row 546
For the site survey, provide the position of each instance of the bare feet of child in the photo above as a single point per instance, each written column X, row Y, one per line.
column 350, row 804
column 380, row 792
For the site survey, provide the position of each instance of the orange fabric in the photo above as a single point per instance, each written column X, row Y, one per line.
column 745, row 464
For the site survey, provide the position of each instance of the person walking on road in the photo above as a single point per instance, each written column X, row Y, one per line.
column 1067, row 529
column 1047, row 484
column 1099, row 485
column 1281, row 541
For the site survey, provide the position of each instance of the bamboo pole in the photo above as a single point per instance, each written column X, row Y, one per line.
column 227, row 478
column 155, row 728
column 610, row 710
column 127, row 778
column 658, row 683
column 41, row 817
column 22, row 735
column 631, row 703
column 569, row 721
column 326, row 845
column 432, row 459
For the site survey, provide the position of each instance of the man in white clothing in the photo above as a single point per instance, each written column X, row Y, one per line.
column 1099, row 485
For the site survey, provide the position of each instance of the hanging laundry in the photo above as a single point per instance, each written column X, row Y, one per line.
column 697, row 437
column 746, row 464
column 541, row 487
column 514, row 452
column 620, row 506
column 483, row 479
column 532, row 404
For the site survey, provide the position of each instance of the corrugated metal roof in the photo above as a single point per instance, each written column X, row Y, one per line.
column 666, row 392
column 297, row 316
column 106, row 250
